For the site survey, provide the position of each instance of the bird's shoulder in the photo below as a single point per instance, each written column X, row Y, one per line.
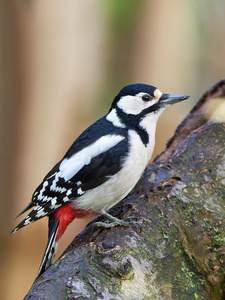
column 100, row 128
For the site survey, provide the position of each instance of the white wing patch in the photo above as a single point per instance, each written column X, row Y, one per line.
column 69, row 167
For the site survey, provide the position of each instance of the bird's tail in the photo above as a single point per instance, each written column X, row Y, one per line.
column 50, row 249
column 58, row 222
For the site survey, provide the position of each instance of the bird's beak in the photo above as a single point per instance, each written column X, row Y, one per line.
column 171, row 99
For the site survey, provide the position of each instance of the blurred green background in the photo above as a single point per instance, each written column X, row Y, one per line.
column 61, row 64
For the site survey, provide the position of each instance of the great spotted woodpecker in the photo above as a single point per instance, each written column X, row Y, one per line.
column 101, row 167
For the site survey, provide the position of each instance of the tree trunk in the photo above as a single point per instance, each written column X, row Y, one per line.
column 177, row 248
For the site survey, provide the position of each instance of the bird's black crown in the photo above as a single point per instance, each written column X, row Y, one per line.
column 134, row 89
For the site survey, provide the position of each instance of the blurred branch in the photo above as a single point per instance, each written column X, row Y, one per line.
column 178, row 250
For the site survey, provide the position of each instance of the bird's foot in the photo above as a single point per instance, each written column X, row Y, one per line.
column 113, row 221
column 124, row 222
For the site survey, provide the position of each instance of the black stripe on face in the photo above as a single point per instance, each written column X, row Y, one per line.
column 133, row 122
column 151, row 109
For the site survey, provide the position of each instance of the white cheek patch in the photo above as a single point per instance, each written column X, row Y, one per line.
column 157, row 94
column 135, row 105
column 69, row 167
column 130, row 104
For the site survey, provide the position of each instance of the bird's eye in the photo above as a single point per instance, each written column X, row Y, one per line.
column 146, row 97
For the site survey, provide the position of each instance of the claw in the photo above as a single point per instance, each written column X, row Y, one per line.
column 129, row 221
column 132, row 219
column 113, row 224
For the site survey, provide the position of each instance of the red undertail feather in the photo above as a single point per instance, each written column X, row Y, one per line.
column 62, row 218
column 66, row 215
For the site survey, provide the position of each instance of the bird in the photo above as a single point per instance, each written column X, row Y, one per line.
column 101, row 167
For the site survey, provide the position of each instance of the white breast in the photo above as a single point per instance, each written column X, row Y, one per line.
column 120, row 184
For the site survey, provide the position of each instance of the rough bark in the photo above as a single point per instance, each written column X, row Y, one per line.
column 178, row 249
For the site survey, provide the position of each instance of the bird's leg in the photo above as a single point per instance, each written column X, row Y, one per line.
column 115, row 221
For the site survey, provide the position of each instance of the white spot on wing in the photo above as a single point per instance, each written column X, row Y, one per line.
column 40, row 213
column 40, row 196
column 69, row 192
column 46, row 199
column 80, row 192
column 65, row 199
column 56, row 206
column 53, row 202
column 54, row 186
column 27, row 221
column 69, row 167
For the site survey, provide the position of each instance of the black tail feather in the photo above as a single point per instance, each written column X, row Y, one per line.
column 50, row 250
column 29, row 206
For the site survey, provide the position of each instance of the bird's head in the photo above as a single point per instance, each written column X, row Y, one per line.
column 139, row 106
column 143, row 99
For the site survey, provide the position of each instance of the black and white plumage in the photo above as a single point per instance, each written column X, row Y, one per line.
column 102, row 166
